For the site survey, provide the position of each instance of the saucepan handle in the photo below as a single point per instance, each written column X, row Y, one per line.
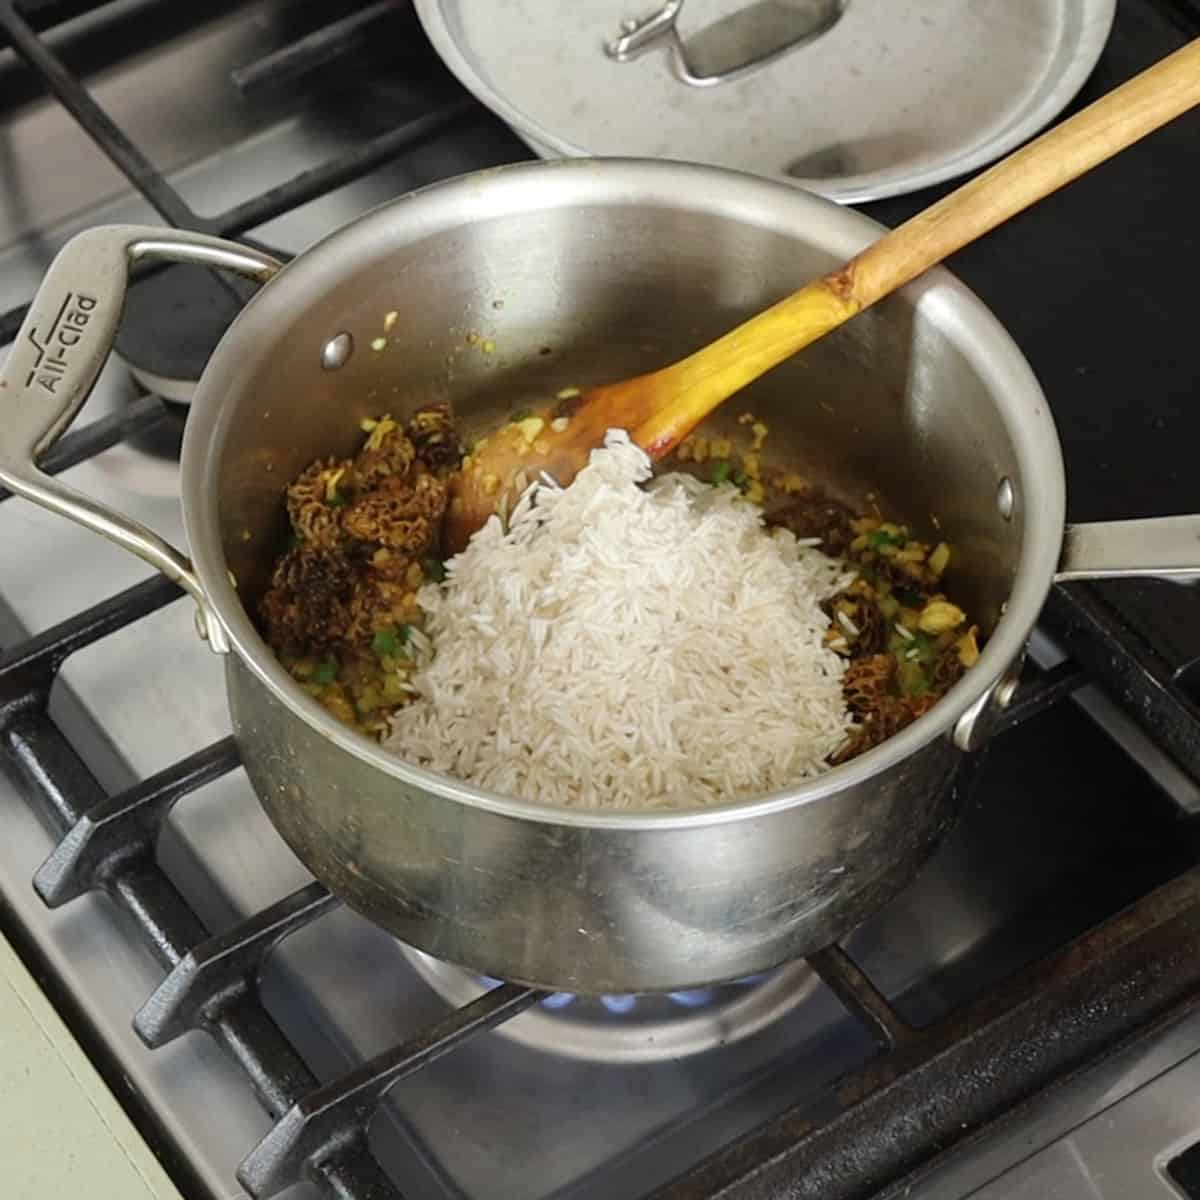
column 60, row 350
column 1157, row 546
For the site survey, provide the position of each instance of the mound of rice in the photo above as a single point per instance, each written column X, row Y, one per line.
column 621, row 647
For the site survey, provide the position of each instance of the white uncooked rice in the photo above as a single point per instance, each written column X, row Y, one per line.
column 628, row 647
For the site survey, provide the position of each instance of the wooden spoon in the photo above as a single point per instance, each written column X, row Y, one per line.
column 660, row 409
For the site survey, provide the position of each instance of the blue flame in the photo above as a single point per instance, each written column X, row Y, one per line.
column 619, row 1004
column 696, row 998
column 622, row 1004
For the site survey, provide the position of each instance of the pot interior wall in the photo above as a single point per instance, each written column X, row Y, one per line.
column 503, row 310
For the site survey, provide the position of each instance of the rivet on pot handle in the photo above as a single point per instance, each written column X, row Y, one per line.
column 60, row 350
column 976, row 725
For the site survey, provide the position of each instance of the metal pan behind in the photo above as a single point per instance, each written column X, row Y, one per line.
column 852, row 99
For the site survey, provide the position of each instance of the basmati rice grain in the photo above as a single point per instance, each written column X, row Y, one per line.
column 628, row 647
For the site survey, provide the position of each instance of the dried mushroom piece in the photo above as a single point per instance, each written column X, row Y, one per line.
column 890, row 715
column 387, row 453
column 306, row 607
column 906, row 641
column 947, row 670
column 859, row 620
column 403, row 514
column 315, row 499
column 818, row 515
column 432, row 433
column 365, row 532
column 868, row 683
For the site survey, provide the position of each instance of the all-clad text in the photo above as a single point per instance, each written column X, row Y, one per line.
column 55, row 345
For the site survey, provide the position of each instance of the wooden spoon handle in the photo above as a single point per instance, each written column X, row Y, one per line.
column 699, row 383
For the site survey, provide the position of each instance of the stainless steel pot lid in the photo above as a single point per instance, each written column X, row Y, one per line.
column 853, row 99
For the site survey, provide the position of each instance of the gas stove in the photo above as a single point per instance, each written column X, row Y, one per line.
column 1022, row 1021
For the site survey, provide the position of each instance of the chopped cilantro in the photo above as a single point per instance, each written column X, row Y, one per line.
column 326, row 671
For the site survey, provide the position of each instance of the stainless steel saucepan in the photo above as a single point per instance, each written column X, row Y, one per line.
column 580, row 272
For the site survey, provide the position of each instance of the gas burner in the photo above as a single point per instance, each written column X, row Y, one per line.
column 146, row 463
column 172, row 322
column 628, row 1028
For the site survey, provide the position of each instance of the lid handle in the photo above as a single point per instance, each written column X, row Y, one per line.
column 732, row 46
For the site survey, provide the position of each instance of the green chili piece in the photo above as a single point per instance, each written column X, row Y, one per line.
column 911, row 678
column 326, row 671
column 385, row 641
column 923, row 648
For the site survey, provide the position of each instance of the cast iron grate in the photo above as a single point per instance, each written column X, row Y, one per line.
column 926, row 1091
column 19, row 26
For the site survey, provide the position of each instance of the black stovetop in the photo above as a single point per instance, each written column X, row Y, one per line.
column 1094, row 285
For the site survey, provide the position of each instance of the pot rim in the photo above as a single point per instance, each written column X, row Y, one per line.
column 524, row 187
